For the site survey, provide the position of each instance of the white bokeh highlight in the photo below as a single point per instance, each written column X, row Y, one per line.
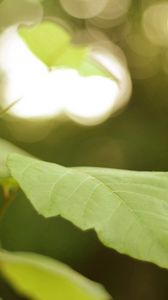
column 45, row 93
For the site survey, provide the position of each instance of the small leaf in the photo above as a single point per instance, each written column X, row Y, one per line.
column 127, row 209
column 42, row 278
column 89, row 67
column 58, row 50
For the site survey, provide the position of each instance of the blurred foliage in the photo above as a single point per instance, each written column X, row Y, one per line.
column 135, row 138
column 38, row 277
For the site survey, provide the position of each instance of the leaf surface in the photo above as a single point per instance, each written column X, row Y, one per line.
column 42, row 278
column 7, row 148
column 127, row 209
column 52, row 44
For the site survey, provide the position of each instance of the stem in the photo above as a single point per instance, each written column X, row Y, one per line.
column 9, row 196
column 6, row 109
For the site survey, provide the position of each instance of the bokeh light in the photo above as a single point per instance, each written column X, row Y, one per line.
column 26, row 79
column 83, row 8
column 155, row 23
column 112, row 14
column 93, row 99
column 142, row 54
column 113, row 58
column 45, row 93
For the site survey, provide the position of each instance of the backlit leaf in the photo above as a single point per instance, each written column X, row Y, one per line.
column 58, row 51
column 127, row 209
column 5, row 149
column 46, row 41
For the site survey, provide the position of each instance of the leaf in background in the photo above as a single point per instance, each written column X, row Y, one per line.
column 42, row 278
column 8, row 185
column 52, row 44
column 127, row 209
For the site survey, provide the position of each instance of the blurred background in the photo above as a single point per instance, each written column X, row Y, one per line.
column 132, row 135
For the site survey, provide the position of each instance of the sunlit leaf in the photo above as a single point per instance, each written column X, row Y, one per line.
column 52, row 44
column 42, row 278
column 53, row 8
column 127, row 209
column 57, row 51
column 46, row 40
column 7, row 148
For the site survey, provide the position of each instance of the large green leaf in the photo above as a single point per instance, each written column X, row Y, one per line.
column 5, row 149
column 127, row 209
column 42, row 278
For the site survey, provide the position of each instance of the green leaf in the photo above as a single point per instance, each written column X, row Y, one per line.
column 52, row 44
column 42, row 278
column 91, row 67
column 7, row 148
column 127, row 209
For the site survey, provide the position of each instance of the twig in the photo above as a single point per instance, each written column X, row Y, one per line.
column 6, row 109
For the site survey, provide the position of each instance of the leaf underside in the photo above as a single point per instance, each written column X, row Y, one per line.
column 127, row 209
column 5, row 149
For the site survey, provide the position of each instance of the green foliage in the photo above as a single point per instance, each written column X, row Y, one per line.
column 36, row 37
column 128, row 210
column 42, row 278
column 58, row 51
column 5, row 149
